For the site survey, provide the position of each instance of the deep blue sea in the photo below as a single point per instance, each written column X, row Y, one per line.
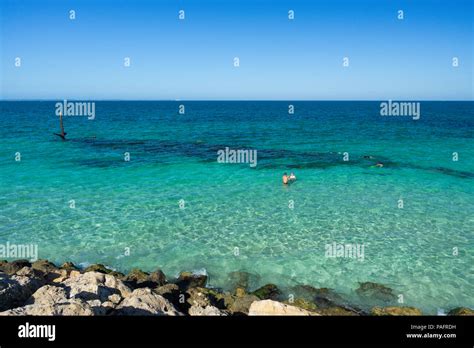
column 238, row 218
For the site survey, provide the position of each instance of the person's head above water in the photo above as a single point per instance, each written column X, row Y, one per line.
column 285, row 173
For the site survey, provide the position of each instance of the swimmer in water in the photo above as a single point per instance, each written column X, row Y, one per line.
column 292, row 177
column 285, row 179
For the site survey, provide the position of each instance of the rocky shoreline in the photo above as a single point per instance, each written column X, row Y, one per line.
column 42, row 288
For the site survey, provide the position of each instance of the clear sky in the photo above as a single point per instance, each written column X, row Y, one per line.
column 408, row 59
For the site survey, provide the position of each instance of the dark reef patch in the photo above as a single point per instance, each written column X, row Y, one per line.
column 152, row 151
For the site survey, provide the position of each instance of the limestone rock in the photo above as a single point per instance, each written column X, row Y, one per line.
column 69, row 266
column 269, row 307
column 44, row 266
column 198, row 297
column 48, row 294
column 98, row 308
column 303, row 303
column 241, row 305
column 49, row 271
column 102, row 269
column 190, row 280
column 203, row 297
column 71, row 307
column 338, row 311
column 158, row 277
column 115, row 283
column 322, row 297
column 328, row 308
column 94, row 285
column 461, row 311
column 66, row 300
column 109, row 306
column 16, row 289
column 266, row 292
column 52, row 300
column 144, row 301
column 98, row 267
column 139, row 279
column 206, row 311
column 395, row 311
column 74, row 274
column 11, row 268
column 169, row 291
column 135, row 277
column 114, row 299
column 240, row 292
column 62, row 275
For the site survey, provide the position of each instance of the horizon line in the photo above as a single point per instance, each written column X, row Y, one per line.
column 241, row 100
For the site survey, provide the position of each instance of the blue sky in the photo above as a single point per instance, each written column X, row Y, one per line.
column 408, row 59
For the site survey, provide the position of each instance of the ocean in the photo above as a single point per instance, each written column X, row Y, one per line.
column 174, row 206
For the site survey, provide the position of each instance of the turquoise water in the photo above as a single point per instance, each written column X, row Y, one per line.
column 135, row 205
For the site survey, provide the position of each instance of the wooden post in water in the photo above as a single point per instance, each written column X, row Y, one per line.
column 63, row 133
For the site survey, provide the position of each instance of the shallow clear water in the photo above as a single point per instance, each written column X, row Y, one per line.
column 135, row 204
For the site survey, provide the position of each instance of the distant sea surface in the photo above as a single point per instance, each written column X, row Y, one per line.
column 237, row 218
